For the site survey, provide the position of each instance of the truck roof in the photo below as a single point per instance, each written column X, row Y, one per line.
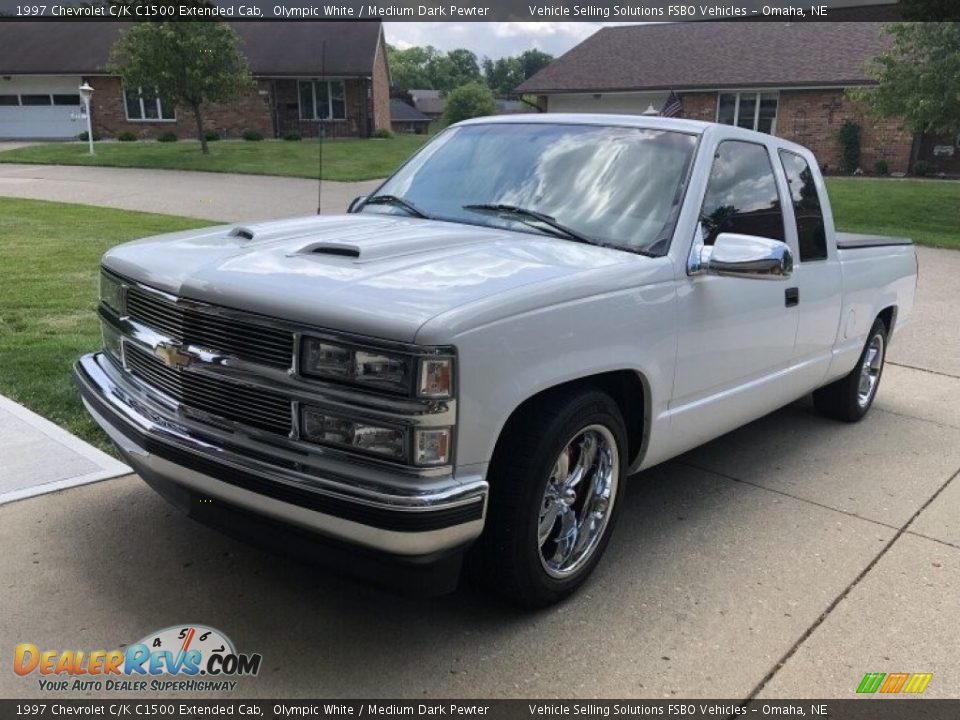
column 641, row 121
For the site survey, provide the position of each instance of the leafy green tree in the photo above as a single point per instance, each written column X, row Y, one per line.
column 469, row 101
column 428, row 68
column 533, row 61
column 190, row 64
column 918, row 79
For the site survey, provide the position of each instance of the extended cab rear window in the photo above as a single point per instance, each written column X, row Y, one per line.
column 811, row 234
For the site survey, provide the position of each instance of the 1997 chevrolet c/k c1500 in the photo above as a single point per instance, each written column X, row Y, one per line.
column 473, row 360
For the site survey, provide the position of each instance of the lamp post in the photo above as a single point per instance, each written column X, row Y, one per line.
column 86, row 93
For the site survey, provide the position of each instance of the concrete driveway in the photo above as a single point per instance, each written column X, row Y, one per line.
column 785, row 559
column 211, row 196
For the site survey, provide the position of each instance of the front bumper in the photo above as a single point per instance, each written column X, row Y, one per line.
column 443, row 515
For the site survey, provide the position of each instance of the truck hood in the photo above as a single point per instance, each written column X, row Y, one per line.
column 375, row 275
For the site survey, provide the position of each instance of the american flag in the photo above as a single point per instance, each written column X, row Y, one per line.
column 672, row 107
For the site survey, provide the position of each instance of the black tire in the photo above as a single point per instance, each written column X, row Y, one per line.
column 508, row 557
column 842, row 399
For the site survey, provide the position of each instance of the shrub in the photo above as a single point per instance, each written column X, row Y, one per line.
column 292, row 136
column 83, row 136
column 252, row 135
column 126, row 136
column 211, row 135
column 849, row 137
column 921, row 168
column 880, row 167
column 383, row 133
column 168, row 136
column 469, row 101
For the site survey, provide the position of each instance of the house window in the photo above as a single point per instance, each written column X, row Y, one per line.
column 143, row 104
column 66, row 99
column 750, row 110
column 35, row 100
column 322, row 100
column 9, row 99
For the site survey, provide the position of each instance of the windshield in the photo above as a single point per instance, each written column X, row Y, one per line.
column 619, row 186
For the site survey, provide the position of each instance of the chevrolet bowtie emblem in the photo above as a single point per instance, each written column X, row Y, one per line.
column 172, row 356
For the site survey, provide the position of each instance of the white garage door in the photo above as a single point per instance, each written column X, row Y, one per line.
column 40, row 107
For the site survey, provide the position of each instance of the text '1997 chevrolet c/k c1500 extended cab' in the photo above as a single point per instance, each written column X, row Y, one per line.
column 471, row 362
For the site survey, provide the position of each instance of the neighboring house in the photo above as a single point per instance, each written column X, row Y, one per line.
column 788, row 79
column 512, row 107
column 405, row 118
column 428, row 102
column 296, row 85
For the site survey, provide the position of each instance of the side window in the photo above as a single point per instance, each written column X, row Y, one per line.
column 806, row 206
column 741, row 194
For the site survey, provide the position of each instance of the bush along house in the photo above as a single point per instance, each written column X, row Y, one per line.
column 306, row 75
column 787, row 79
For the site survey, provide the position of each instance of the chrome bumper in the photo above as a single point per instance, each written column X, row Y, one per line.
column 442, row 514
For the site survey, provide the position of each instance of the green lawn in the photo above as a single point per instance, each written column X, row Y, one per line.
column 343, row 160
column 49, row 254
column 926, row 210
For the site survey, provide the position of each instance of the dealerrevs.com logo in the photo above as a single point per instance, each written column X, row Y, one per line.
column 188, row 658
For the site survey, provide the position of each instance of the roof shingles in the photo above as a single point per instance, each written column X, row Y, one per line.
column 713, row 55
column 272, row 48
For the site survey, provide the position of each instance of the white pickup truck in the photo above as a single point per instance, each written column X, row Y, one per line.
column 473, row 360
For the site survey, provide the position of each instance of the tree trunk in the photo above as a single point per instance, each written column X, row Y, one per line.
column 201, row 135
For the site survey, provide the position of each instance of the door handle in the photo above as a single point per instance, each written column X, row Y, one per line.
column 791, row 297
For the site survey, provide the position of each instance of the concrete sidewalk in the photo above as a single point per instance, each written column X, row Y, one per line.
column 39, row 457
column 210, row 196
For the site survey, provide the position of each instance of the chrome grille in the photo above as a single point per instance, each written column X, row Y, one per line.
column 245, row 340
column 233, row 401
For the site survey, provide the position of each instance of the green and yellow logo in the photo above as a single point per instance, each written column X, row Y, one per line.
column 892, row 683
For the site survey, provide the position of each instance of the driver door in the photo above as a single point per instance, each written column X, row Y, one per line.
column 735, row 334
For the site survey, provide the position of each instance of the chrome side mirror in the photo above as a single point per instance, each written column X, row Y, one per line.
column 746, row 256
column 356, row 205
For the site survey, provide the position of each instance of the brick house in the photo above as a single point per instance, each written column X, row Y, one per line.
column 295, row 83
column 788, row 79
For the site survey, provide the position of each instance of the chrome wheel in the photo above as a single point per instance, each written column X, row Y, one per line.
column 578, row 500
column 870, row 371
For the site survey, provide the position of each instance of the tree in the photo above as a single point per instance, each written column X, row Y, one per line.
column 505, row 74
column 918, row 79
column 185, row 63
column 428, row 68
column 468, row 101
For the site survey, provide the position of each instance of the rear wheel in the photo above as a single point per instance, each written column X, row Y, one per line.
column 850, row 397
column 555, row 484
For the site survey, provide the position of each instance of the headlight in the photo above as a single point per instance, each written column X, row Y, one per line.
column 319, row 427
column 111, row 293
column 323, row 359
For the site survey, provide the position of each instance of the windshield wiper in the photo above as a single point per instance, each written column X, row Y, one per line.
column 397, row 202
column 520, row 213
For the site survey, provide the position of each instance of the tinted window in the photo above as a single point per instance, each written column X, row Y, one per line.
column 9, row 99
column 742, row 194
column 806, row 207
column 66, row 99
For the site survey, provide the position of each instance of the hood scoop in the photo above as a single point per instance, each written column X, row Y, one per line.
column 332, row 249
column 244, row 233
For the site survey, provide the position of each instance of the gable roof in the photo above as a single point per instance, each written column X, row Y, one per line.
column 713, row 55
column 403, row 112
column 272, row 48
